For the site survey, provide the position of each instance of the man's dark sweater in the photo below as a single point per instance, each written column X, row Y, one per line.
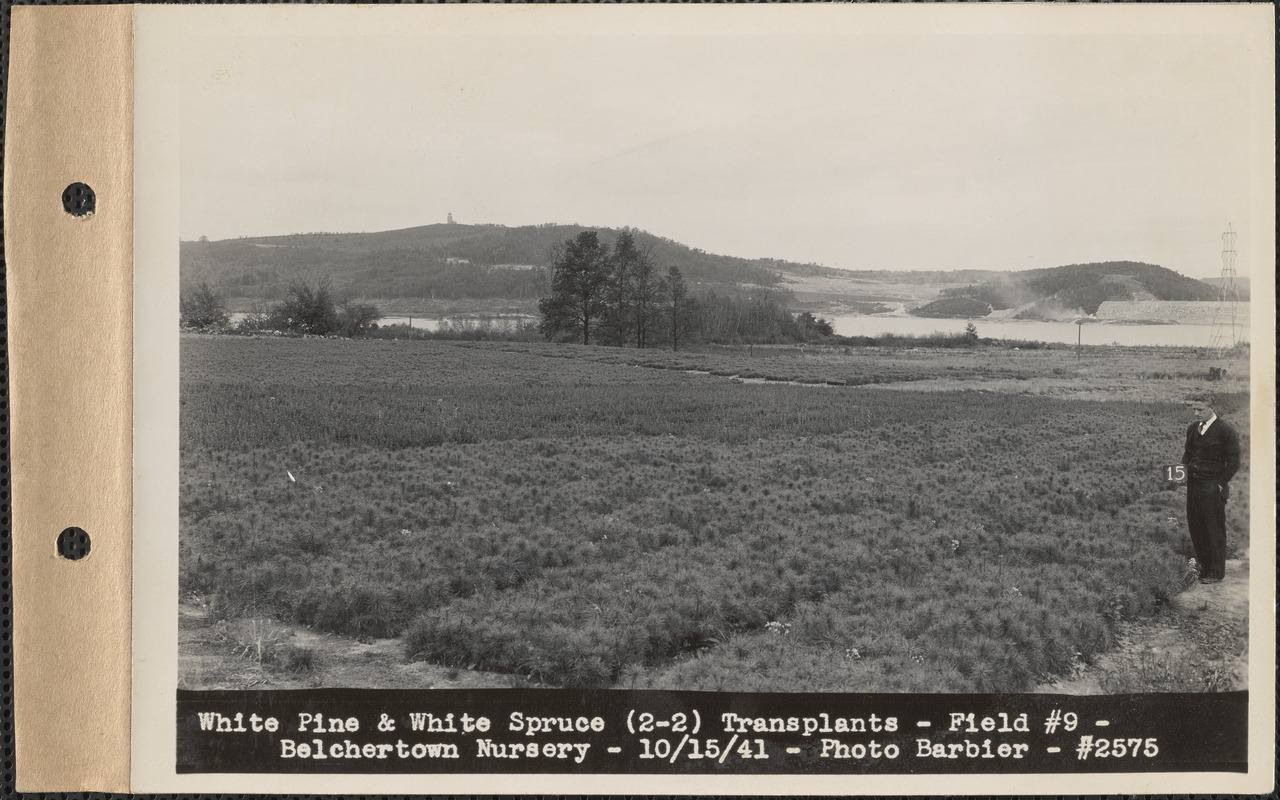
column 1215, row 456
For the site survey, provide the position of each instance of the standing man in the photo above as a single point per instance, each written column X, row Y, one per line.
column 1212, row 456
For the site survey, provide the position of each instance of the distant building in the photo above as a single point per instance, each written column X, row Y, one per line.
column 450, row 220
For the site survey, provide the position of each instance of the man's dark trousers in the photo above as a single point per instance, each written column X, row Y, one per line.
column 1207, row 519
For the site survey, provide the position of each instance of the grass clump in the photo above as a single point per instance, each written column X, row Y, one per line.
column 298, row 659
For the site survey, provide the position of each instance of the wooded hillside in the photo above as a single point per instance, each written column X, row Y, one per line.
column 1075, row 288
column 442, row 261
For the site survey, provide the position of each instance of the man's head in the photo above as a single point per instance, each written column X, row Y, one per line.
column 1202, row 406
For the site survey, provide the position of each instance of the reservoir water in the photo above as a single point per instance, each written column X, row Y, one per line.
column 1091, row 333
column 499, row 322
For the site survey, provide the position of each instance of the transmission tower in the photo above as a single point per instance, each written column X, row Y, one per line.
column 1226, row 320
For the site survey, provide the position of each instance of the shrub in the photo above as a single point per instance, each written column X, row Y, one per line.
column 202, row 308
column 307, row 309
column 361, row 612
column 357, row 319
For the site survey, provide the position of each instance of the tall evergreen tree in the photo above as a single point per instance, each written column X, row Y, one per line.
column 620, row 292
column 645, row 298
column 682, row 315
column 578, row 288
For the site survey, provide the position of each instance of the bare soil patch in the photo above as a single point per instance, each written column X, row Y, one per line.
column 1200, row 644
column 263, row 653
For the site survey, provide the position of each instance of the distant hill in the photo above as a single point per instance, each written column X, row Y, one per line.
column 1242, row 285
column 489, row 262
column 445, row 261
column 955, row 307
column 1072, row 290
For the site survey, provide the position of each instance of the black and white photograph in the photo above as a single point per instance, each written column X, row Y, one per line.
column 848, row 351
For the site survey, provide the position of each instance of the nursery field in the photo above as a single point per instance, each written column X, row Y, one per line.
column 763, row 520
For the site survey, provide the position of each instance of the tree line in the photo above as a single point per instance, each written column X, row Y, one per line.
column 307, row 308
column 618, row 296
column 599, row 294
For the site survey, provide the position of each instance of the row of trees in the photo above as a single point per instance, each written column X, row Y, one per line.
column 307, row 309
column 616, row 296
column 761, row 316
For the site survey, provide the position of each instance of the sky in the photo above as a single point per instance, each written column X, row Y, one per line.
column 881, row 150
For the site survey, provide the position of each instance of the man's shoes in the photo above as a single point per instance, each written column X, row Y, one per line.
column 1211, row 580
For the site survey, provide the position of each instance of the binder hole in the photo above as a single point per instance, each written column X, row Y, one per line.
column 73, row 544
column 79, row 200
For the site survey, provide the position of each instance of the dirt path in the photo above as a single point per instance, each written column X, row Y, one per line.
column 1199, row 644
column 264, row 654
